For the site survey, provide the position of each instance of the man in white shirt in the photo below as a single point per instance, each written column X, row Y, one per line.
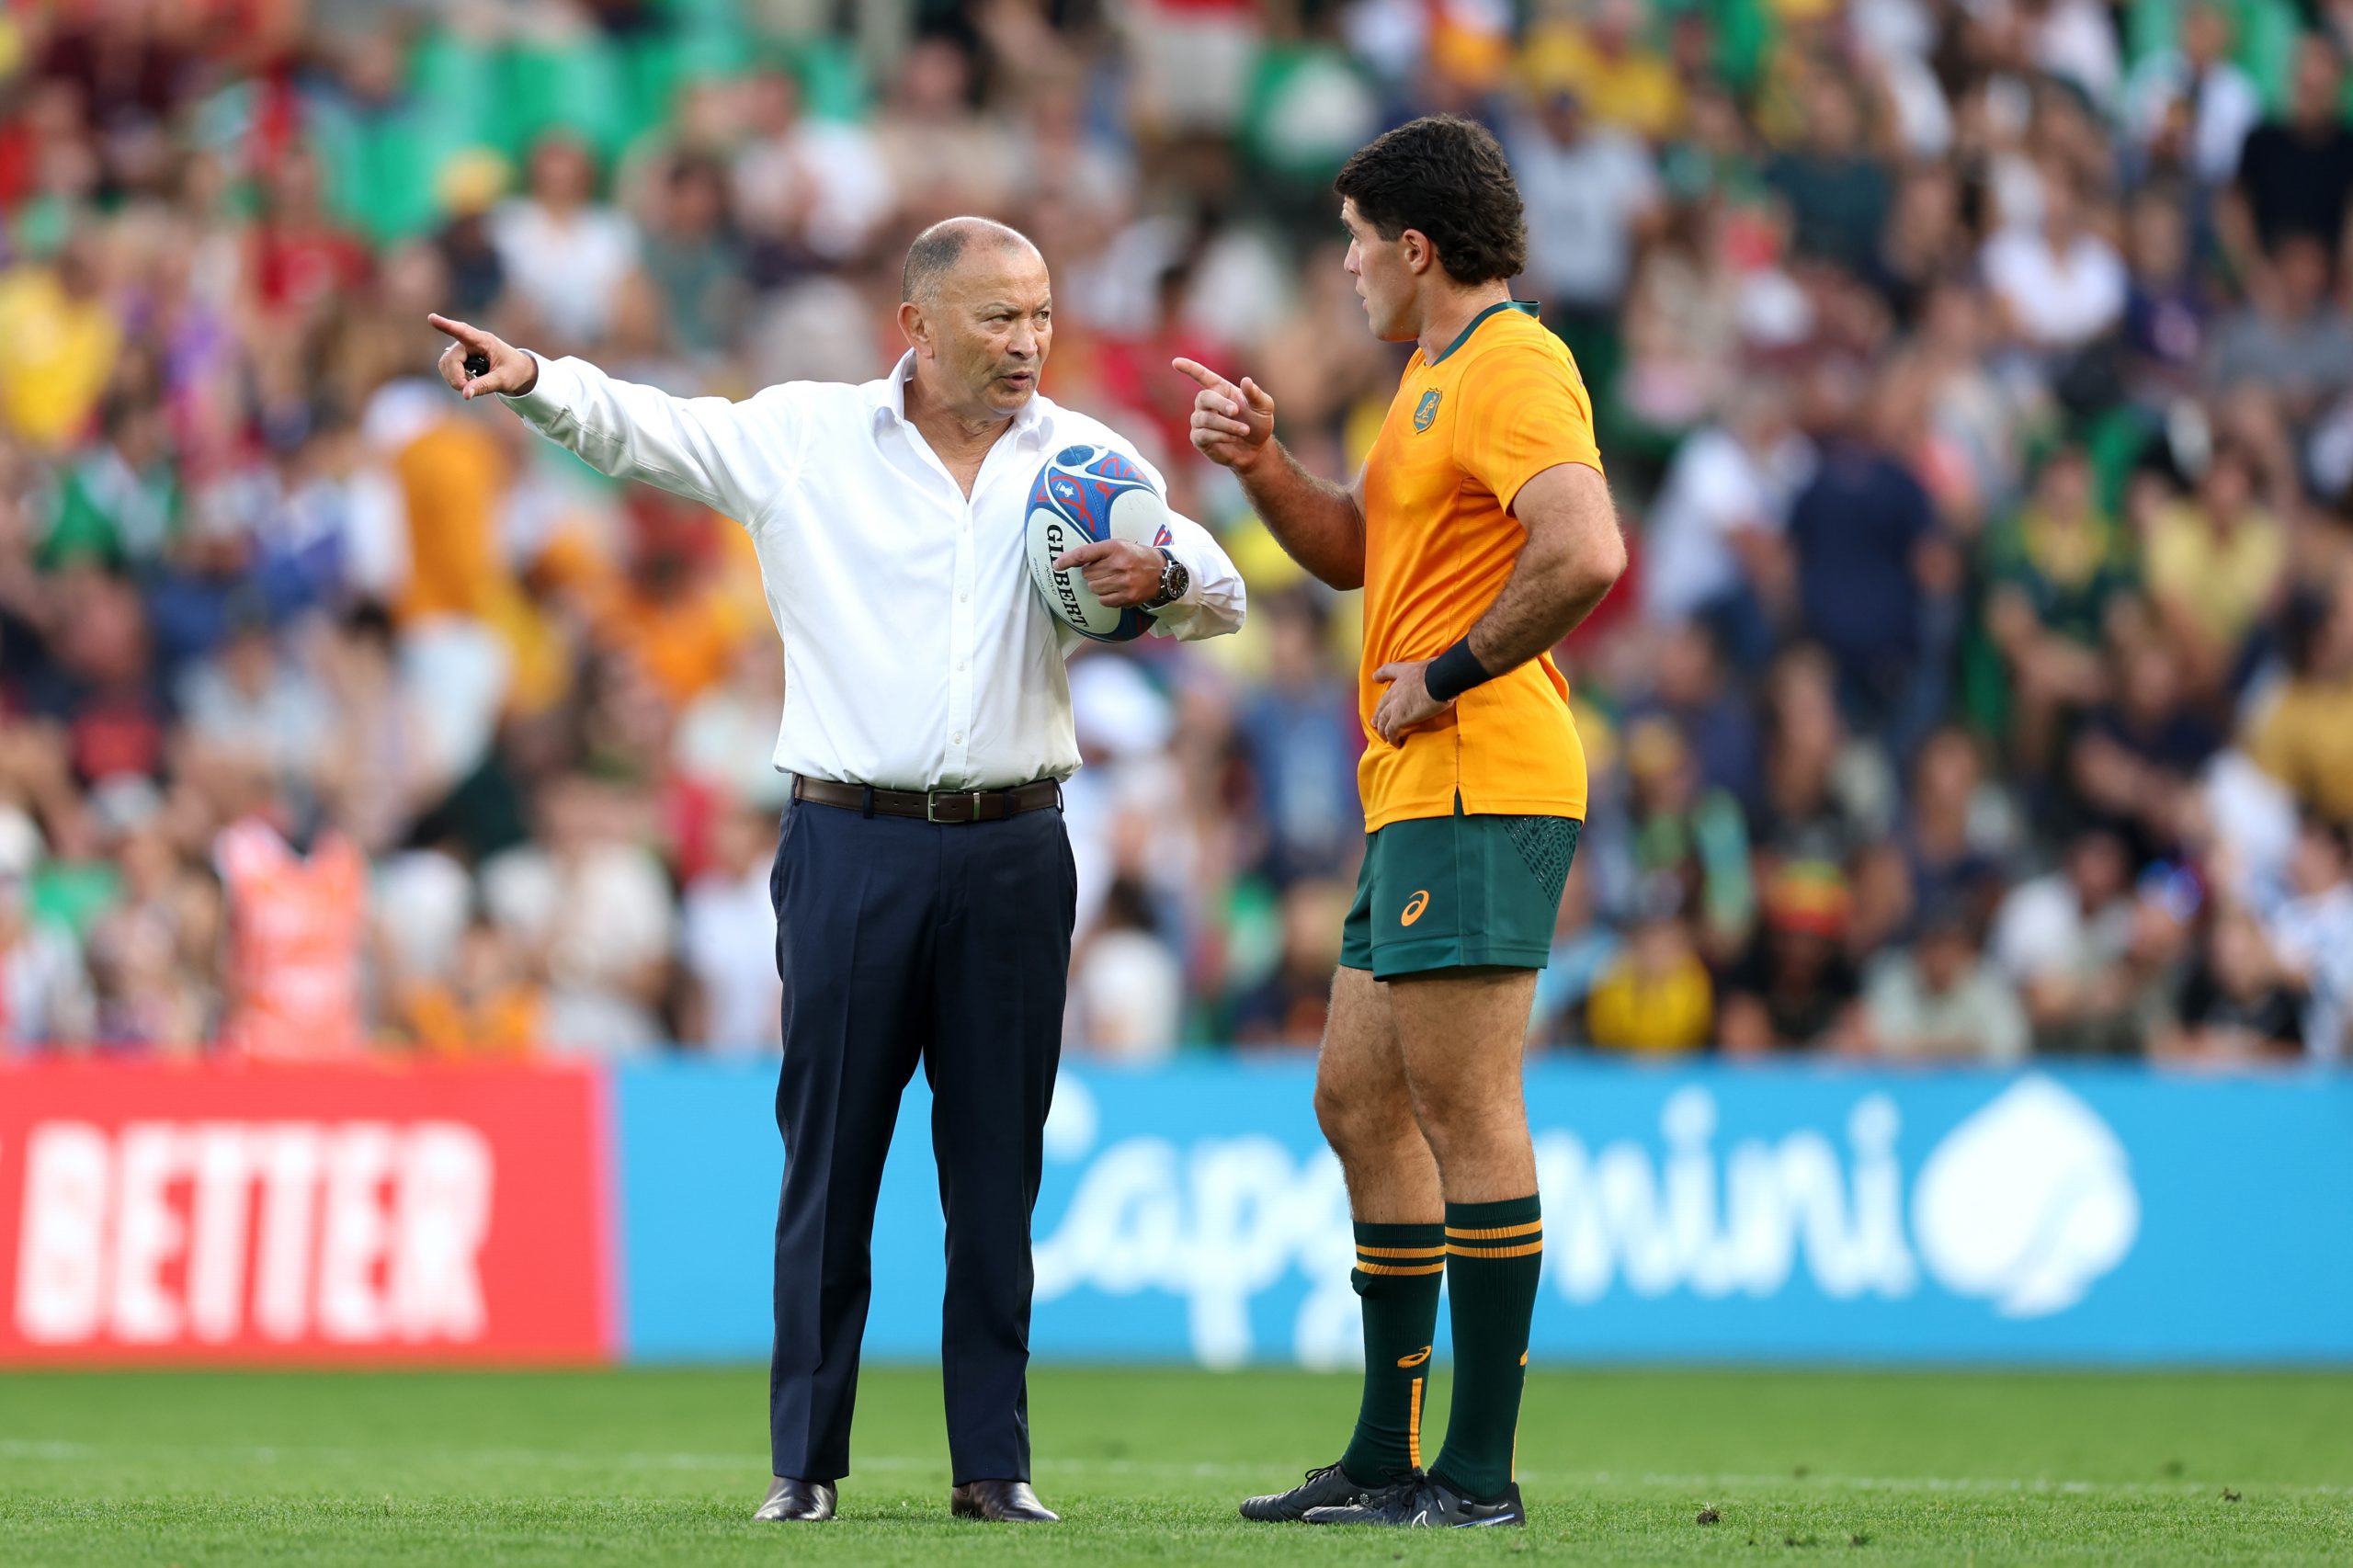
column 2313, row 933
column 1591, row 190
column 2062, row 938
column 727, row 940
column 923, row 882
column 2197, row 76
column 820, row 180
column 2059, row 284
column 564, row 253
column 1937, row 1001
column 1722, row 509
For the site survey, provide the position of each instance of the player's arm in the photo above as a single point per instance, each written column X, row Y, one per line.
column 1524, row 431
column 1573, row 554
column 733, row 457
column 1317, row 522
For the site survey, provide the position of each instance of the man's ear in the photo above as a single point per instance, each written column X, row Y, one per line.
column 916, row 330
column 1420, row 255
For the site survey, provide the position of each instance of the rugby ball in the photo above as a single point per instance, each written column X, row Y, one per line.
column 1083, row 494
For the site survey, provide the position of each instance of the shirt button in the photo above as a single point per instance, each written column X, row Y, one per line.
column 960, row 667
column 964, row 598
column 957, row 739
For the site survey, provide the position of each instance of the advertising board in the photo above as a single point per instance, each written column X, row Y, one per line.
column 1191, row 1212
column 154, row 1211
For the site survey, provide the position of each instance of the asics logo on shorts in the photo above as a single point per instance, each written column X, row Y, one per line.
column 1414, row 907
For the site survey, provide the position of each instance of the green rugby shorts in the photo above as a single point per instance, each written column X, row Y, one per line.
column 1458, row 893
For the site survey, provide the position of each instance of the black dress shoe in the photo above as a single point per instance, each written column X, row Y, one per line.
column 1006, row 1502
column 791, row 1500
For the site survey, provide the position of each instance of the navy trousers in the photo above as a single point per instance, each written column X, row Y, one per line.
column 900, row 942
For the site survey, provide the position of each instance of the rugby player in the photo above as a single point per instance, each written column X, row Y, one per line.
column 1481, row 532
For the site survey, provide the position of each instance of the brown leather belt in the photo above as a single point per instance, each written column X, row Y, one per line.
column 935, row 805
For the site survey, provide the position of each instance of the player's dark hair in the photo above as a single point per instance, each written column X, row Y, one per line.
column 1448, row 177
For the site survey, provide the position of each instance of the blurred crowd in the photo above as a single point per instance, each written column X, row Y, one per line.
column 1975, row 375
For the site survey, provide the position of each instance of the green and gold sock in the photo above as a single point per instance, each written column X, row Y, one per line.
column 1399, row 1268
column 1494, row 1254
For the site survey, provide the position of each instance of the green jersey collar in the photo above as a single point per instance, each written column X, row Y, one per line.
column 1526, row 306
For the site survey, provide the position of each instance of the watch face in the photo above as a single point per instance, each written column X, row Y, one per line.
column 1172, row 581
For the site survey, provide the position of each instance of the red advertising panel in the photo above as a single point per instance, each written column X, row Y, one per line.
column 264, row 1212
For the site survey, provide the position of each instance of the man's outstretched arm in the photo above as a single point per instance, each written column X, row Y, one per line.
column 1318, row 523
column 736, row 457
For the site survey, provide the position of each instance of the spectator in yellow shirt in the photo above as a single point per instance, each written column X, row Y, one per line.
column 59, row 340
column 2216, row 560
column 2304, row 737
column 487, row 1008
column 1656, row 999
column 1619, row 79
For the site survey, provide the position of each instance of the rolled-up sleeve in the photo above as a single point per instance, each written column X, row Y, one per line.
column 1214, row 599
column 736, row 458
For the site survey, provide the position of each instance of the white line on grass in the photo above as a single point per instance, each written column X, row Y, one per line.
column 65, row 1452
column 1987, row 1484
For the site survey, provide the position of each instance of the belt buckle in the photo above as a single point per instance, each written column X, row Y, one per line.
column 931, row 806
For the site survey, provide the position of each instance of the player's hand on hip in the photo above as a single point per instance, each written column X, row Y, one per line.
column 1231, row 425
column 1407, row 703
column 1119, row 572
column 477, row 362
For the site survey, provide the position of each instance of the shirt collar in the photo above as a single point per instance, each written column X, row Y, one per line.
column 1525, row 307
column 887, row 401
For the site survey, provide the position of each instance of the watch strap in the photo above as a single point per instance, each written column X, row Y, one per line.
column 1174, row 580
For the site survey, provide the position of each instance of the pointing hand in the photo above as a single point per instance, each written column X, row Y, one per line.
column 1233, row 425
column 476, row 362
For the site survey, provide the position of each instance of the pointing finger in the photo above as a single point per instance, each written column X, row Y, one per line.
column 470, row 336
column 1081, row 556
column 1202, row 373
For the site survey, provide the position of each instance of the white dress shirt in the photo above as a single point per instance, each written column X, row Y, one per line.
column 918, row 655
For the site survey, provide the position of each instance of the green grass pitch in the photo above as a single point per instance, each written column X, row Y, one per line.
column 665, row 1467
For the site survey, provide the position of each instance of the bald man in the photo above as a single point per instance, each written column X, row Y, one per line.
column 923, row 884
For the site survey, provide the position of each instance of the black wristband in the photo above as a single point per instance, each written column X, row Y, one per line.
column 1455, row 672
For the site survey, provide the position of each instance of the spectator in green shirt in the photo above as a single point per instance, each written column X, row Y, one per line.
column 2056, row 573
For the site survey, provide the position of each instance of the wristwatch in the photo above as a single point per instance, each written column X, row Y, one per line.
column 1174, row 581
